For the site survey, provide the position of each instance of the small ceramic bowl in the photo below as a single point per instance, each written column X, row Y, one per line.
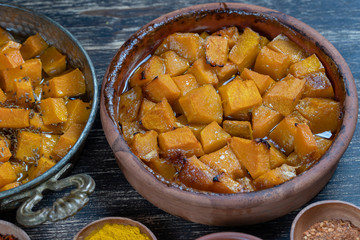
column 11, row 229
column 231, row 209
column 88, row 229
column 228, row 236
column 323, row 210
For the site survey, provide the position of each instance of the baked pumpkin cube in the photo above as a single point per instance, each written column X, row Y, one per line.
column 174, row 64
column 29, row 70
column 263, row 120
column 146, row 73
column 238, row 96
column 216, row 50
column 37, row 124
column 224, row 161
column 283, row 134
column 145, row 145
column 33, row 46
column 162, row 87
column 7, row 174
column 48, row 142
column 145, row 106
column 185, row 83
column 272, row 63
column 2, row 96
column 67, row 141
column 225, row 184
column 43, row 165
column 213, row 137
column 70, row 84
column 284, row 45
column 323, row 144
column 230, row 33
column 226, row 72
column 165, row 168
column 264, row 41
column 53, row 110
column 129, row 105
column 202, row 105
column 24, row 92
column 5, row 36
column 254, row 155
column 245, row 50
column 196, row 128
column 304, row 143
column 10, row 186
column 53, row 62
column 238, row 128
column 307, row 66
column 284, row 95
column 78, row 112
column 275, row 176
column 203, row 72
column 323, row 113
column 262, row 81
column 5, row 152
column 318, row 85
column 196, row 174
column 28, row 146
column 10, row 44
column 159, row 118
column 180, row 141
column 277, row 158
column 130, row 129
column 14, row 117
column 10, row 58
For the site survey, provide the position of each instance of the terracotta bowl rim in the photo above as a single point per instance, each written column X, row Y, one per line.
column 228, row 235
column 224, row 201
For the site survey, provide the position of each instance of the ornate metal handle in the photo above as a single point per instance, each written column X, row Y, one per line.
column 62, row 207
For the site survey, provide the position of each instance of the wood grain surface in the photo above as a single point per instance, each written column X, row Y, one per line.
column 101, row 27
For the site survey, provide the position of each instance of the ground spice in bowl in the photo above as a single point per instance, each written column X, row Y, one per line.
column 331, row 230
column 117, row 232
column 8, row 237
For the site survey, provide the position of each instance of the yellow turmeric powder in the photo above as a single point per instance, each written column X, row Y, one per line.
column 117, row 232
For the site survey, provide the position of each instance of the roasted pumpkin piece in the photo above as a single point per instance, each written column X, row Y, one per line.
column 37, row 124
column 48, row 142
column 185, row 83
column 14, row 117
column 10, row 58
column 78, row 112
column 67, row 141
column 53, row 62
column 145, row 145
column 130, row 129
column 318, row 85
column 226, row 72
column 70, row 84
column 224, row 161
column 163, row 167
column 145, row 106
column 263, row 41
column 275, row 177
column 28, row 146
column 272, row 63
column 29, row 70
column 247, row 184
column 284, row 95
column 238, row 96
column 53, row 110
column 216, row 50
column 213, row 137
column 254, row 155
column 5, row 36
column 238, row 128
column 323, row 144
column 196, row 128
column 307, row 66
column 225, row 184
column 230, row 33
column 196, row 174
column 162, row 87
column 10, row 186
column 203, row 72
column 5, row 152
column 10, row 44
column 304, row 143
column 244, row 52
column 283, row 134
column 263, row 120
column 262, row 81
column 24, row 93
column 7, row 174
column 43, row 165
column 323, row 114
column 277, row 158
column 174, row 64
column 180, row 141
column 2, row 96
column 129, row 105
column 33, row 46
column 159, row 118
column 284, row 45
column 202, row 105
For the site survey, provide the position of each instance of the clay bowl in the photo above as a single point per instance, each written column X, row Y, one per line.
column 323, row 210
column 88, row 229
column 7, row 228
column 233, row 209
column 228, row 236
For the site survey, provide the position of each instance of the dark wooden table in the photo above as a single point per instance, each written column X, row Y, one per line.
column 102, row 27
